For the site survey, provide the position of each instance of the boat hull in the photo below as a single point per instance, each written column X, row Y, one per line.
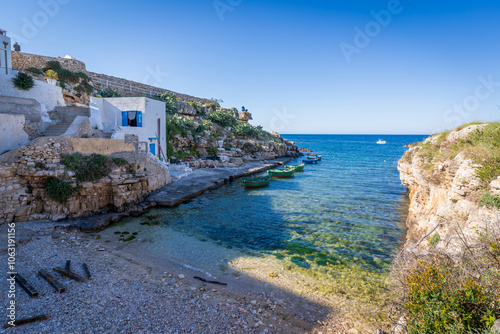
column 289, row 172
column 310, row 161
column 257, row 182
column 298, row 168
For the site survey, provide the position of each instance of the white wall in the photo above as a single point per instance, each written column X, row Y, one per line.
column 48, row 95
column 110, row 110
column 12, row 135
column 6, row 39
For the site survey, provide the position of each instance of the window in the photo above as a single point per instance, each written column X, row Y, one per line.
column 132, row 118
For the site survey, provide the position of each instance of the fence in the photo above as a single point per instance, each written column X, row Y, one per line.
column 127, row 89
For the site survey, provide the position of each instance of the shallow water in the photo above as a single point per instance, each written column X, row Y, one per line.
column 341, row 220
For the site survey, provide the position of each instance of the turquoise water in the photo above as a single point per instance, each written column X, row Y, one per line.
column 341, row 220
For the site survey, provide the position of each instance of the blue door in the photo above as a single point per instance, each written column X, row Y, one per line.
column 152, row 148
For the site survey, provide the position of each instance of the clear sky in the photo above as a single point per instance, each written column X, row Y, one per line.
column 299, row 66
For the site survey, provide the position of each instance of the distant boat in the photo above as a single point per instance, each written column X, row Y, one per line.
column 380, row 141
column 257, row 182
column 314, row 156
column 298, row 168
column 287, row 172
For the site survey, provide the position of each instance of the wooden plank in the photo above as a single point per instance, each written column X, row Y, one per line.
column 69, row 274
column 27, row 320
column 30, row 290
column 86, row 270
column 67, row 267
column 51, row 280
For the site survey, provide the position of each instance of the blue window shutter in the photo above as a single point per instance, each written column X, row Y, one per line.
column 124, row 118
column 139, row 119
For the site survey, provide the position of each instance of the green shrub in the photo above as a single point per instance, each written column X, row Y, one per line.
column 119, row 161
column 84, row 87
column 110, row 92
column 246, row 130
column 67, row 76
column 434, row 240
column 83, row 76
column 170, row 101
column 62, row 85
column 212, row 151
column 58, row 190
column 439, row 300
column 490, row 200
column 52, row 65
column 223, row 118
column 89, row 168
column 34, row 70
column 23, row 81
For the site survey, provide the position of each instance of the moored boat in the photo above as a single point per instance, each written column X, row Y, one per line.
column 286, row 172
column 310, row 161
column 314, row 157
column 298, row 168
column 257, row 182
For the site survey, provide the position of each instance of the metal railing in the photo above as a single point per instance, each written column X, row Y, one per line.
column 131, row 89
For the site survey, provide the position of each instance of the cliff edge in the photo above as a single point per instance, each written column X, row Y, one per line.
column 454, row 187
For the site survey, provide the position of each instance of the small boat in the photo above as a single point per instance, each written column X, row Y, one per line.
column 286, row 172
column 298, row 168
column 314, row 156
column 257, row 182
column 380, row 141
column 310, row 161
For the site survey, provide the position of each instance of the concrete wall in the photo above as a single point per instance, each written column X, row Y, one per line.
column 110, row 110
column 22, row 61
column 12, row 134
column 5, row 55
column 47, row 95
column 100, row 146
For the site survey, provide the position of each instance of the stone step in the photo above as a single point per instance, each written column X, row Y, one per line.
column 57, row 129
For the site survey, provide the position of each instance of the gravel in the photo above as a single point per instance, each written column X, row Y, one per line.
column 125, row 296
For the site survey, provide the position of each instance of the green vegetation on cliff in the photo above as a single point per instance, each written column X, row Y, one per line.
column 481, row 145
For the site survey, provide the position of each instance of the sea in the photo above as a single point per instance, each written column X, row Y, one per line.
column 341, row 220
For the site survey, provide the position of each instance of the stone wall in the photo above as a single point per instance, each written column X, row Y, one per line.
column 128, row 88
column 22, row 61
column 22, row 183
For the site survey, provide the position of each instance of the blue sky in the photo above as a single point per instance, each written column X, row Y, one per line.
column 300, row 66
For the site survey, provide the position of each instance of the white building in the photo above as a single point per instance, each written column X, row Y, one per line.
column 5, row 53
column 139, row 116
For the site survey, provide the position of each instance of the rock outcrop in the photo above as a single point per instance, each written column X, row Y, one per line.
column 445, row 193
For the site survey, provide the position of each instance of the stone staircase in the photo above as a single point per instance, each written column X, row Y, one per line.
column 61, row 118
column 57, row 129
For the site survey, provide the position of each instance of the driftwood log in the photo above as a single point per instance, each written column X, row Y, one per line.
column 51, row 280
column 207, row 281
column 27, row 320
column 31, row 291
column 87, row 271
column 69, row 274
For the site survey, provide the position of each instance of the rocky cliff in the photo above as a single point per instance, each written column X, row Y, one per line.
column 454, row 187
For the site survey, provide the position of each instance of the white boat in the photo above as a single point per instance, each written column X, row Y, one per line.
column 380, row 141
